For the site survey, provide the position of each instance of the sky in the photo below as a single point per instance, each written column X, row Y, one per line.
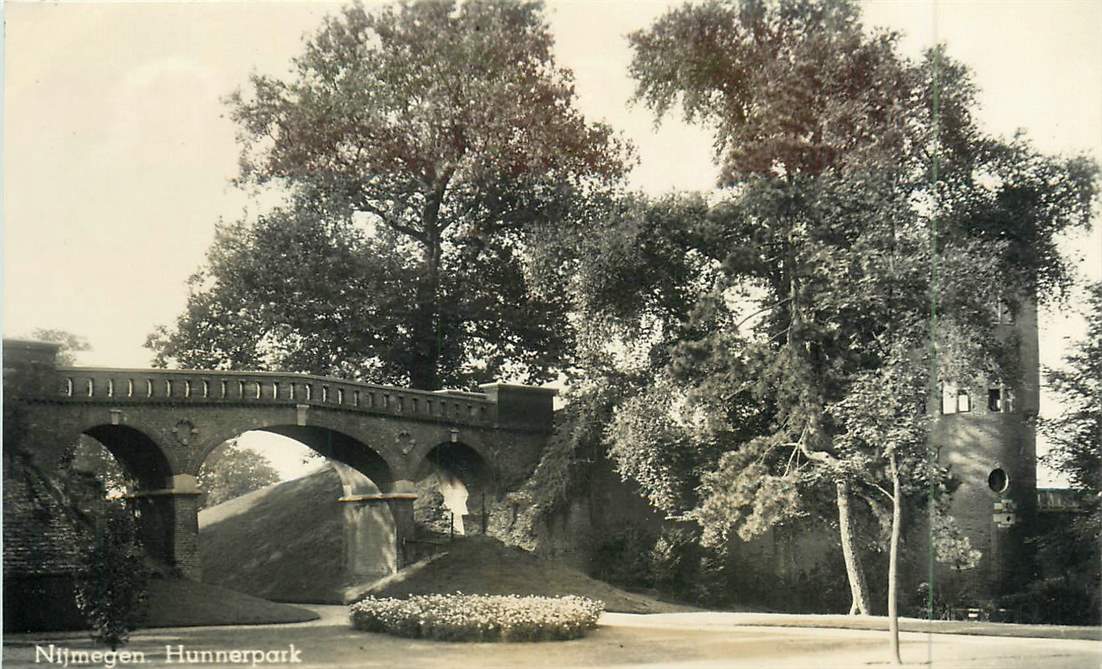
column 118, row 155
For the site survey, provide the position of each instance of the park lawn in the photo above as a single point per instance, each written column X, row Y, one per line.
column 183, row 603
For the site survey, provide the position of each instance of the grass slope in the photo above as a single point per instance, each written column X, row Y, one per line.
column 183, row 603
column 480, row 565
column 284, row 542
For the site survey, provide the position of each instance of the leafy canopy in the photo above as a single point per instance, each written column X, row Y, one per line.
column 420, row 145
column 1076, row 435
column 859, row 195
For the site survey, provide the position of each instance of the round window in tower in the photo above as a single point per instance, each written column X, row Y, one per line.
column 997, row 480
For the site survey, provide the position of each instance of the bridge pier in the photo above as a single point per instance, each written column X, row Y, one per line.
column 168, row 520
column 376, row 527
column 401, row 507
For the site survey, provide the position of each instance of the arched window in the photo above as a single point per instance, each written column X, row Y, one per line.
column 1000, row 398
column 1004, row 315
column 954, row 399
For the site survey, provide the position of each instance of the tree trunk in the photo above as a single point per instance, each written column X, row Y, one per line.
column 424, row 373
column 855, row 573
column 859, row 589
column 893, row 563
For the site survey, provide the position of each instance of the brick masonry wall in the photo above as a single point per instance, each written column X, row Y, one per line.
column 39, row 538
column 185, row 550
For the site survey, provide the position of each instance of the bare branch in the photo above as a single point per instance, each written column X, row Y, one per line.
column 876, row 486
column 817, row 456
column 762, row 310
column 791, row 457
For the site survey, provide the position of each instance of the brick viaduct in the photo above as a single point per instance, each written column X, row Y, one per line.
column 162, row 424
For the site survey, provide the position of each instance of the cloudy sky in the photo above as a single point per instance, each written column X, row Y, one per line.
column 117, row 153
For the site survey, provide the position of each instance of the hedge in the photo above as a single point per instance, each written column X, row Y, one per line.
column 460, row 617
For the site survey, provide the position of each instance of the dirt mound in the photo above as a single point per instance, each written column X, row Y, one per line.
column 285, row 543
column 482, row 565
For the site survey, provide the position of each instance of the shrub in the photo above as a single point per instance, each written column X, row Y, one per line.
column 1056, row 601
column 430, row 513
column 110, row 587
column 673, row 560
column 623, row 557
column 460, row 617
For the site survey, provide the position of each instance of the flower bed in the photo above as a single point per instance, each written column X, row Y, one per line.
column 462, row 617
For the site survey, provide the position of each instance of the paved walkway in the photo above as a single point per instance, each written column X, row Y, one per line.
column 675, row 641
column 880, row 623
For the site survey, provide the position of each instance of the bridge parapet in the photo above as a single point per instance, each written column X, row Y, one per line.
column 163, row 423
column 146, row 386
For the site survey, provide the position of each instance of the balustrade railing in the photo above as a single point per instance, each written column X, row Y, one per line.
column 214, row 387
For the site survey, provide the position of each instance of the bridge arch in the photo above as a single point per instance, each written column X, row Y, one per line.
column 470, row 439
column 159, row 498
column 138, row 453
column 369, row 542
column 364, row 466
column 458, row 477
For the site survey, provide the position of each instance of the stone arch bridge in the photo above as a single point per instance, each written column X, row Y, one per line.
column 162, row 424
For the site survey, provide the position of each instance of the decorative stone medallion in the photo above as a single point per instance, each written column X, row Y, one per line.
column 406, row 442
column 184, row 431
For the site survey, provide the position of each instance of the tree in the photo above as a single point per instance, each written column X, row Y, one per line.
column 419, row 145
column 805, row 107
column 232, row 471
column 882, row 423
column 110, row 588
column 635, row 278
column 1076, row 435
column 862, row 198
column 69, row 344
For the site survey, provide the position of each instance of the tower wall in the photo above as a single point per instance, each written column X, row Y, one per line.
column 996, row 434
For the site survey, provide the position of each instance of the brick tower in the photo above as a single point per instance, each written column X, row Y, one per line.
column 987, row 436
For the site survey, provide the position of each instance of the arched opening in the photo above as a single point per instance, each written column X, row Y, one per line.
column 455, row 490
column 270, row 455
column 91, row 459
column 124, row 463
column 374, row 473
column 324, row 527
column 139, row 456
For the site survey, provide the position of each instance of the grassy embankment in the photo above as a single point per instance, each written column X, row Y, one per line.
column 285, row 543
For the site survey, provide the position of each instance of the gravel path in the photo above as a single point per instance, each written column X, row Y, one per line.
column 686, row 640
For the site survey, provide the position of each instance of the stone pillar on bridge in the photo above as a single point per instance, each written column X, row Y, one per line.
column 401, row 506
column 29, row 367
column 28, row 372
column 522, row 407
column 376, row 527
column 169, row 524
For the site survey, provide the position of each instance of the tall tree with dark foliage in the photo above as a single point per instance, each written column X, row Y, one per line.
column 868, row 228
column 418, row 145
